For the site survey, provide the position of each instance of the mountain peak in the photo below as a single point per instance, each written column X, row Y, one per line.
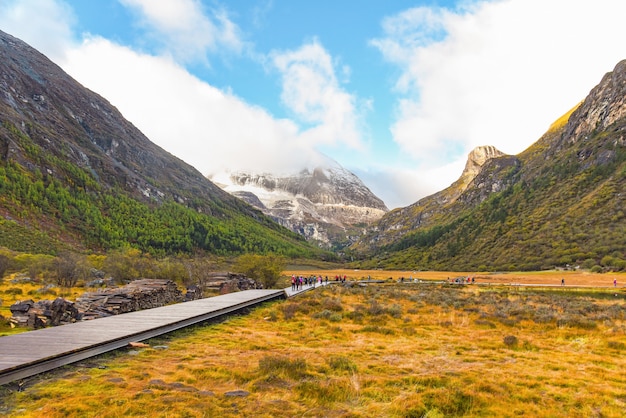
column 324, row 203
column 475, row 161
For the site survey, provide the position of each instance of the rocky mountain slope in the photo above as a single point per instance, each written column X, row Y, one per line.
column 74, row 172
column 560, row 202
column 327, row 204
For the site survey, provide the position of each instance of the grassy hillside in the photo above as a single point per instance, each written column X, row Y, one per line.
column 563, row 216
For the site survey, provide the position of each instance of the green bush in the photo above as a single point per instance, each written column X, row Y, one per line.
column 597, row 269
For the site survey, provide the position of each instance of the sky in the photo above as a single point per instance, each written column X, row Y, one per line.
column 396, row 91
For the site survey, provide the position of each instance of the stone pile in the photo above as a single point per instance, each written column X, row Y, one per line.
column 43, row 313
column 226, row 282
column 137, row 295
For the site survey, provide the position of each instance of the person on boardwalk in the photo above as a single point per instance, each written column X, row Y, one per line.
column 562, row 282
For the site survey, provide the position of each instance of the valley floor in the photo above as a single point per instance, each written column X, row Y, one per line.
column 548, row 278
column 365, row 351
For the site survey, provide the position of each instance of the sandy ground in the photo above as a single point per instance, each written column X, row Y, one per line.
column 549, row 278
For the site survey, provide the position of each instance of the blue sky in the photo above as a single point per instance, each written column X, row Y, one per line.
column 399, row 92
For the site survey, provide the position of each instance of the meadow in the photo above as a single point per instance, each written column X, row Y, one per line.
column 391, row 349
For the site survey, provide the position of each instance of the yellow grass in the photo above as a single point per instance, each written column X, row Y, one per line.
column 384, row 350
column 560, row 122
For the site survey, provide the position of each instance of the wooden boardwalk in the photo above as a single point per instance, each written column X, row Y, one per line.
column 34, row 352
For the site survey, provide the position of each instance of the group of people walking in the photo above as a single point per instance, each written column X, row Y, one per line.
column 298, row 282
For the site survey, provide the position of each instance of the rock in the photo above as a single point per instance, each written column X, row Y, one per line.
column 193, row 293
column 138, row 345
column 22, row 306
column 237, row 393
column 157, row 383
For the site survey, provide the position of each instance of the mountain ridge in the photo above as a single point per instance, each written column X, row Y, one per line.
column 558, row 203
column 74, row 168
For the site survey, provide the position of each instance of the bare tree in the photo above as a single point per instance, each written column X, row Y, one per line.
column 67, row 269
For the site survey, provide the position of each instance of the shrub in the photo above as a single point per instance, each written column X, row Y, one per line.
column 341, row 363
column 573, row 321
column 295, row 369
column 14, row 291
column 335, row 317
column 395, row 310
column 356, row 315
column 332, row 304
column 291, row 308
column 510, row 341
column 616, row 345
column 375, row 308
column 4, row 265
column 378, row 329
column 264, row 268
column 484, row 322
column 325, row 314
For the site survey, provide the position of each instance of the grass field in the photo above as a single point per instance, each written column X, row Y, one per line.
column 552, row 277
column 380, row 350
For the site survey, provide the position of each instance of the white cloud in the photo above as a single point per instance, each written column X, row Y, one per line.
column 312, row 93
column 214, row 130
column 495, row 73
column 202, row 125
column 49, row 30
column 187, row 31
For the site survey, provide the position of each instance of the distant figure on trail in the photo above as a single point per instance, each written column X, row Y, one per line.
column 614, row 282
column 562, row 282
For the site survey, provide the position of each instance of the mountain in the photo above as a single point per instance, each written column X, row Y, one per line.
column 441, row 206
column 560, row 202
column 326, row 204
column 75, row 174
